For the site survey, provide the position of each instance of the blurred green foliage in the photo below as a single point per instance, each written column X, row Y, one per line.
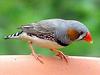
column 14, row 13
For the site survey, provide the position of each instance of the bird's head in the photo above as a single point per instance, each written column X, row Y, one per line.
column 78, row 31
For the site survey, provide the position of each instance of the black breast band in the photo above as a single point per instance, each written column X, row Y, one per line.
column 62, row 44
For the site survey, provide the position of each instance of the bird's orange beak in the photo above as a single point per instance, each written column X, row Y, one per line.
column 88, row 38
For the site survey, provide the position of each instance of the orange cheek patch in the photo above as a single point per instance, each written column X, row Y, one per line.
column 72, row 34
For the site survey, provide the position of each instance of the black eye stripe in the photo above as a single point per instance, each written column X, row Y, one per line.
column 83, row 37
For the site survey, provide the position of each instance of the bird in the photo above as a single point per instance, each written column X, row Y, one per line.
column 52, row 34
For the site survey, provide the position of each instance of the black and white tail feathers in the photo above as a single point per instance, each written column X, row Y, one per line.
column 13, row 36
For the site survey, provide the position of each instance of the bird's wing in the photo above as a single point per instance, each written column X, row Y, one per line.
column 58, row 27
column 38, row 28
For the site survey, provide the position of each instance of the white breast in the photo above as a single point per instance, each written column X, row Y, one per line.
column 40, row 42
column 46, row 43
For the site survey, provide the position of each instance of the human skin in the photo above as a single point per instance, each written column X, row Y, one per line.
column 27, row 65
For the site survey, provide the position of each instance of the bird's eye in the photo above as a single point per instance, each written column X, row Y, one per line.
column 81, row 33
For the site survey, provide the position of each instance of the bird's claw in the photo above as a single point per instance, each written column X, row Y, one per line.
column 62, row 56
column 38, row 58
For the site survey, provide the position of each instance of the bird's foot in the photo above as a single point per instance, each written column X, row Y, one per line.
column 37, row 57
column 33, row 53
column 62, row 56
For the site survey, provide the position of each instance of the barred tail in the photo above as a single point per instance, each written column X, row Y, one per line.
column 13, row 36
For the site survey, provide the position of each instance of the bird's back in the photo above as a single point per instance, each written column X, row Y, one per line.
column 45, row 26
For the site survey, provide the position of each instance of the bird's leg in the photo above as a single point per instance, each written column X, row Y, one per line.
column 60, row 54
column 33, row 53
